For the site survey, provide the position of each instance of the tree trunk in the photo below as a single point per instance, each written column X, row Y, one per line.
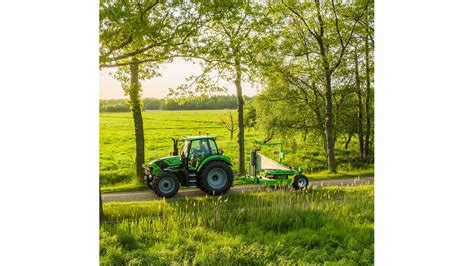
column 240, row 104
column 360, row 127
column 232, row 126
column 322, row 131
column 325, row 143
column 367, row 96
column 329, row 125
column 135, row 102
column 101, row 210
column 348, row 141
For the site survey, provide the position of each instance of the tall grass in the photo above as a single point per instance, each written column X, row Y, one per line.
column 330, row 225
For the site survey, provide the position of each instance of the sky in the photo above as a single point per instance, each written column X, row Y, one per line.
column 172, row 75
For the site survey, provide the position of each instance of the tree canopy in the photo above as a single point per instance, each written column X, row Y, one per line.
column 314, row 61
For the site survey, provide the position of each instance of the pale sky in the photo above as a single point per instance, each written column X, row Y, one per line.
column 172, row 75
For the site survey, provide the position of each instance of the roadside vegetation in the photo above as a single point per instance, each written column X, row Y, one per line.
column 202, row 103
column 330, row 226
column 117, row 169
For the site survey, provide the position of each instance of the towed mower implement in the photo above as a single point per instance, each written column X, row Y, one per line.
column 265, row 171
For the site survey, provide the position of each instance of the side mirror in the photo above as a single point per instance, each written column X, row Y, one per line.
column 221, row 151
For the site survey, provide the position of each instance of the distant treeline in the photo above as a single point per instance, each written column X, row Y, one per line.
column 207, row 103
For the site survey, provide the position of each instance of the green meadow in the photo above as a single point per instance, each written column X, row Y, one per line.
column 117, row 145
column 324, row 226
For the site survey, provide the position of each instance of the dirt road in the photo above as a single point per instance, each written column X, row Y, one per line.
column 148, row 195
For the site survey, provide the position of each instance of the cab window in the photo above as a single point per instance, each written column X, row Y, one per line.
column 199, row 147
column 213, row 146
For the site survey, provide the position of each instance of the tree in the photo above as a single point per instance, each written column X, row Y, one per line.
column 136, row 37
column 227, row 48
column 321, row 33
column 250, row 114
column 228, row 122
column 368, row 34
column 360, row 114
column 281, row 112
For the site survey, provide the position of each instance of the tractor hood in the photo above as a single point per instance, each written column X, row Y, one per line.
column 171, row 160
column 166, row 161
column 158, row 165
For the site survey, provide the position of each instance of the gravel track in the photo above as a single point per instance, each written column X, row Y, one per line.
column 149, row 195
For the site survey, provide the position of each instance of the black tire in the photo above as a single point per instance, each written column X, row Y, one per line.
column 300, row 182
column 165, row 185
column 216, row 178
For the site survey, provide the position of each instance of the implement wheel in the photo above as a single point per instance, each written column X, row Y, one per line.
column 166, row 185
column 300, row 182
column 216, row 178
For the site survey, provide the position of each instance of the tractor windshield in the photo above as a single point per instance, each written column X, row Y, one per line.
column 199, row 147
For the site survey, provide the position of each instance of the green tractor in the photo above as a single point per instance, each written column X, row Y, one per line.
column 200, row 164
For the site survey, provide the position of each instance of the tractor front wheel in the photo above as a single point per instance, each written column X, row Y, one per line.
column 216, row 178
column 300, row 182
column 166, row 185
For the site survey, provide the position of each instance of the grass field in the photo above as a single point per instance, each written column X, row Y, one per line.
column 117, row 148
column 330, row 226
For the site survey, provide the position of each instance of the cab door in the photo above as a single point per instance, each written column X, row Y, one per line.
column 199, row 150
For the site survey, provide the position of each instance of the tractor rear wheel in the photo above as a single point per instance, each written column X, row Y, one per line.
column 165, row 185
column 216, row 178
column 300, row 182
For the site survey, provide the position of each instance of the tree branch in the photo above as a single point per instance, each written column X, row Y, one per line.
column 344, row 46
column 149, row 8
column 114, row 48
column 314, row 33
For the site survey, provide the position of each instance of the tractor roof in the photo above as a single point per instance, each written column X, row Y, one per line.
column 198, row 137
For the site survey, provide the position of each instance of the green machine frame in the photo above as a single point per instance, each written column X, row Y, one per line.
column 270, row 177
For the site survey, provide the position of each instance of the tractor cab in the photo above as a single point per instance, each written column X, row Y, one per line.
column 197, row 149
